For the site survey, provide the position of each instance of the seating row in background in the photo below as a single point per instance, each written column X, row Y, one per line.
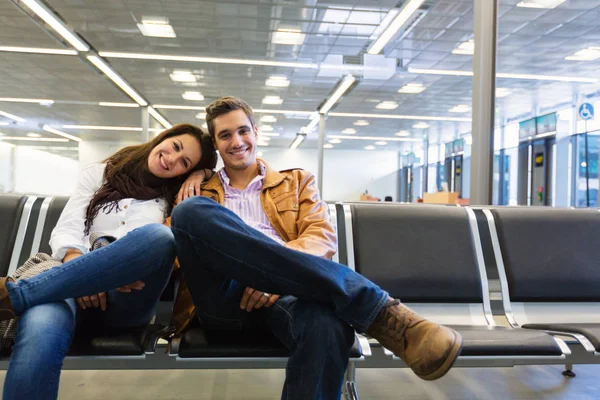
column 439, row 260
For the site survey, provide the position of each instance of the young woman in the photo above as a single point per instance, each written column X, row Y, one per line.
column 117, row 286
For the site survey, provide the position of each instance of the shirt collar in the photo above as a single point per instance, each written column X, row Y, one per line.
column 260, row 177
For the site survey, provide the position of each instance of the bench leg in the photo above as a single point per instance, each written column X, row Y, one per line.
column 349, row 389
column 568, row 372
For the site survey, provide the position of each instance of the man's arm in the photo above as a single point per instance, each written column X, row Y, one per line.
column 316, row 234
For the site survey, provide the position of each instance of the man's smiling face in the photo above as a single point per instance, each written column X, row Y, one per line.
column 235, row 139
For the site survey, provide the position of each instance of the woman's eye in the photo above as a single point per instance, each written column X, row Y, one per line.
column 176, row 146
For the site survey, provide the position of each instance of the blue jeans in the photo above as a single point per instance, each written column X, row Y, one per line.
column 322, row 300
column 47, row 310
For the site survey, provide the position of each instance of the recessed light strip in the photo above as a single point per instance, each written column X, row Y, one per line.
column 11, row 116
column 504, row 75
column 21, row 100
column 256, row 110
column 339, row 92
column 393, row 28
column 60, row 133
column 38, row 50
column 299, row 139
column 157, row 116
column 391, row 116
column 103, row 128
column 213, row 60
column 51, row 19
column 125, row 105
column 30, row 139
column 117, row 79
column 389, row 139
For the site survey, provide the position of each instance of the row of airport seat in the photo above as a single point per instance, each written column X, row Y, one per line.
column 438, row 260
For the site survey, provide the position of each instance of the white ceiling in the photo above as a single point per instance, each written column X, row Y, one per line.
column 531, row 41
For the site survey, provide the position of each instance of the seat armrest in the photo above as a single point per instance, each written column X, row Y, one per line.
column 364, row 345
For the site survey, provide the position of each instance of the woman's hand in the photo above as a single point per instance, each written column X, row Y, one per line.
column 191, row 187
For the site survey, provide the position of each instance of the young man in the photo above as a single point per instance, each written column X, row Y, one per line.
column 255, row 254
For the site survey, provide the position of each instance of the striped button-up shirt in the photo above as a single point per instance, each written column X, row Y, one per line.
column 247, row 205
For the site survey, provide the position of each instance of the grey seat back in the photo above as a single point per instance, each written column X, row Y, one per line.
column 550, row 255
column 418, row 253
column 56, row 207
column 11, row 208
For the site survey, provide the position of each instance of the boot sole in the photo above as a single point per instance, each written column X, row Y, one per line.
column 452, row 356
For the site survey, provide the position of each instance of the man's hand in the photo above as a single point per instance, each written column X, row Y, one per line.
column 137, row 285
column 191, row 187
column 96, row 300
column 254, row 299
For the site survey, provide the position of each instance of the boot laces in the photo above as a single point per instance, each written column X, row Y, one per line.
column 402, row 319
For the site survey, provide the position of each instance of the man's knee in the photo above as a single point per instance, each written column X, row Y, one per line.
column 195, row 209
column 321, row 326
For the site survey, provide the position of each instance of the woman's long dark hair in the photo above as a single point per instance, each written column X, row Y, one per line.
column 127, row 175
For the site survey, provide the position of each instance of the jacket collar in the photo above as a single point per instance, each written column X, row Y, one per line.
column 272, row 179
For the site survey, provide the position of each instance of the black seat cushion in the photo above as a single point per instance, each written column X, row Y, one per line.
column 502, row 341
column 420, row 254
column 197, row 342
column 111, row 342
column 11, row 208
column 590, row 331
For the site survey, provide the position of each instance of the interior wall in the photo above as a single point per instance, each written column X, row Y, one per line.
column 346, row 173
column 39, row 172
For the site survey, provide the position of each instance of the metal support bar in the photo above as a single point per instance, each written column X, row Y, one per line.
column 321, row 152
column 145, row 137
column 484, row 85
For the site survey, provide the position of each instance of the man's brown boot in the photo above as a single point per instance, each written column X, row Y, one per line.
column 6, row 310
column 427, row 348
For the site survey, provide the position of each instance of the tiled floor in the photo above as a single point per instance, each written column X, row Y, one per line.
column 373, row 384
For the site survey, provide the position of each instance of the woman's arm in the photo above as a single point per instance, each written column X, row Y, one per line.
column 191, row 187
column 67, row 237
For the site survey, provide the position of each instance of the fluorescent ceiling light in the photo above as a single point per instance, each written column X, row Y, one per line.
column 266, row 128
column 175, row 107
column 349, row 131
column 503, row 92
column 117, row 79
column 328, row 146
column 34, row 135
column 214, row 60
column 264, row 138
column 402, row 133
column 51, row 19
column 268, row 134
column 392, row 116
column 288, row 36
column 60, row 133
column 589, row 54
column 409, row 9
column 361, row 122
column 103, row 128
column 183, row 76
column 272, row 100
column 461, row 108
column 193, row 96
column 157, row 116
column 299, row 139
column 504, row 75
column 314, row 120
column 421, row 125
column 262, row 143
column 385, row 22
column 259, row 154
column 30, row 139
column 412, row 88
column 389, row 139
column 369, row 147
column 126, row 105
column 277, row 81
column 387, row 105
column 268, row 118
column 268, row 111
column 38, row 50
column 346, row 82
column 335, row 141
column 156, row 27
column 381, row 143
column 45, row 102
column 205, row 125
column 4, row 123
column 201, row 115
column 11, row 116
column 540, row 3
column 465, row 48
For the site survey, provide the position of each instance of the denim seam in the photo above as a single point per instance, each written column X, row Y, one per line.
column 374, row 313
column 290, row 320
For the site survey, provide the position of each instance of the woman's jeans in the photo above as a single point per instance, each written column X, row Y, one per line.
column 46, row 307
